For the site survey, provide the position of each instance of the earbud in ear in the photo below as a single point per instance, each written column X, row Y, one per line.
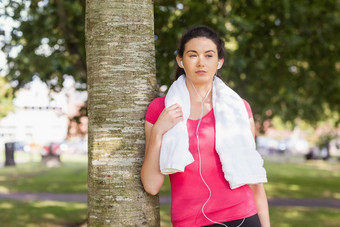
column 218, row 65
column 182, row 64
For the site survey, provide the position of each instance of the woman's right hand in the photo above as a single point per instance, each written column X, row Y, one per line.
column 168, row 118
column 151, row 176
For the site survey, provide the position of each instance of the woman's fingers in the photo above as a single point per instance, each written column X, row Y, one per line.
column 175, row 112
column 170, row 117
column 175, row 108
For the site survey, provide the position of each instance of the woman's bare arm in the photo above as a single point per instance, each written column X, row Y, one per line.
column 259, row 193
column 261, row 202
column 151, row 176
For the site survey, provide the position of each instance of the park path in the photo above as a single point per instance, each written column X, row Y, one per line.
column 24, row 196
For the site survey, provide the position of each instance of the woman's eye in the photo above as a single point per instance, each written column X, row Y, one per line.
column 209, row 56
column 192, row 56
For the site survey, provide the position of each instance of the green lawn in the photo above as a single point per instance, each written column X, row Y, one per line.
column 304, row 216
column 70, row 177
column 41, row 213
column 312, row 179
column 315, row 179
column 286, row 217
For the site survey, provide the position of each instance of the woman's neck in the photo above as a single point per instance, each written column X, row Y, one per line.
column 199, row 92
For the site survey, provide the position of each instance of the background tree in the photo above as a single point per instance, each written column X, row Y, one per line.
column 287, row 59
column 281, row 56
column 121, row 83
column 50, row 37
column 6, row 98
column 172, row 18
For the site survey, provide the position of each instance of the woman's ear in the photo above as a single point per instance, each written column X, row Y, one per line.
column 220, row 63
column 179, row 61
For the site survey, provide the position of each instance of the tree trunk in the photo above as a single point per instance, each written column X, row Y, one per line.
column 121, row 83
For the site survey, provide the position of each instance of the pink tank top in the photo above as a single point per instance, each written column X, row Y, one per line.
column 188, row 191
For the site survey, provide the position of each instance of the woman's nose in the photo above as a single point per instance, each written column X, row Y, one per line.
column 200, row 61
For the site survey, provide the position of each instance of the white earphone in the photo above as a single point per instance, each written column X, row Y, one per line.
column 218, row 65
column 198, row 148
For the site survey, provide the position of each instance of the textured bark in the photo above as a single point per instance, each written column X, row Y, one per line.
column 121, row 83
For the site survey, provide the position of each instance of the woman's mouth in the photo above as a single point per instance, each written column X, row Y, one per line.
column 200, row 72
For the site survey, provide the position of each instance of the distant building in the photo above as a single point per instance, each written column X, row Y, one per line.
column 41, row 116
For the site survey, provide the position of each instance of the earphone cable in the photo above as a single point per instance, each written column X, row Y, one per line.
column 199, row 156
column 200, row 160
column 200, row 171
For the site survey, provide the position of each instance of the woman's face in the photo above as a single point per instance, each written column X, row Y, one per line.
column 200, row 60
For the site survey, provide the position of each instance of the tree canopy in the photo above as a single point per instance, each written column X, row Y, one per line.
column 6, row 98
column 50, row 40
column 281, row 56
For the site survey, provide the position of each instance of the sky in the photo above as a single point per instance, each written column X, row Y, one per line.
column 6, row 24
column 3, row 26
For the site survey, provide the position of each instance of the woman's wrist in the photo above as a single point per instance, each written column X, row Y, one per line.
column 156, row 131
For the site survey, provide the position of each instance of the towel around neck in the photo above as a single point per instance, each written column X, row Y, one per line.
column 235, row 145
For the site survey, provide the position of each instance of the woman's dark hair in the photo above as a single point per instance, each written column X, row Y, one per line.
column 196, row 32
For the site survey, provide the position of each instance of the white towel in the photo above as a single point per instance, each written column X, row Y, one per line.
column 175, row 154
column 235, row 145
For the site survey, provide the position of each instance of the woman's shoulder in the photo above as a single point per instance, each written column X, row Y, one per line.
column 155, row 108
column 250, row 114
column 159, row 101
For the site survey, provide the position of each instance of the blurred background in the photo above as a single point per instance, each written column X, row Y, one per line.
column 282, row 56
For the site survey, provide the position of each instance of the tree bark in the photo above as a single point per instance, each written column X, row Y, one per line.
column 121, row 83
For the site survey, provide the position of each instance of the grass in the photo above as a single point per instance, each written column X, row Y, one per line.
column 70, row 177
column 285, row 217
column 41, row 213
column 304, row 216
column 35, row 156
column 315, row 179
column 312, row 179
column 165, row 216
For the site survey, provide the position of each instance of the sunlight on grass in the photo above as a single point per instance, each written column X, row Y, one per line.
column 327, row 193
column 296, row 180
column 302, row 180
column 42, row 213
column 293, row 180
column 285, row 217
column 286, row 180
column 294, row 187
column 34, row 177
column 49, row 216
column 40, row 204
column 3, row 189
column 292, row 214
column 70, row 177
column 323, row 165
column 304, row 216
column 4, row 205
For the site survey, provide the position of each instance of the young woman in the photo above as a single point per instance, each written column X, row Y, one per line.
column 201, row 195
